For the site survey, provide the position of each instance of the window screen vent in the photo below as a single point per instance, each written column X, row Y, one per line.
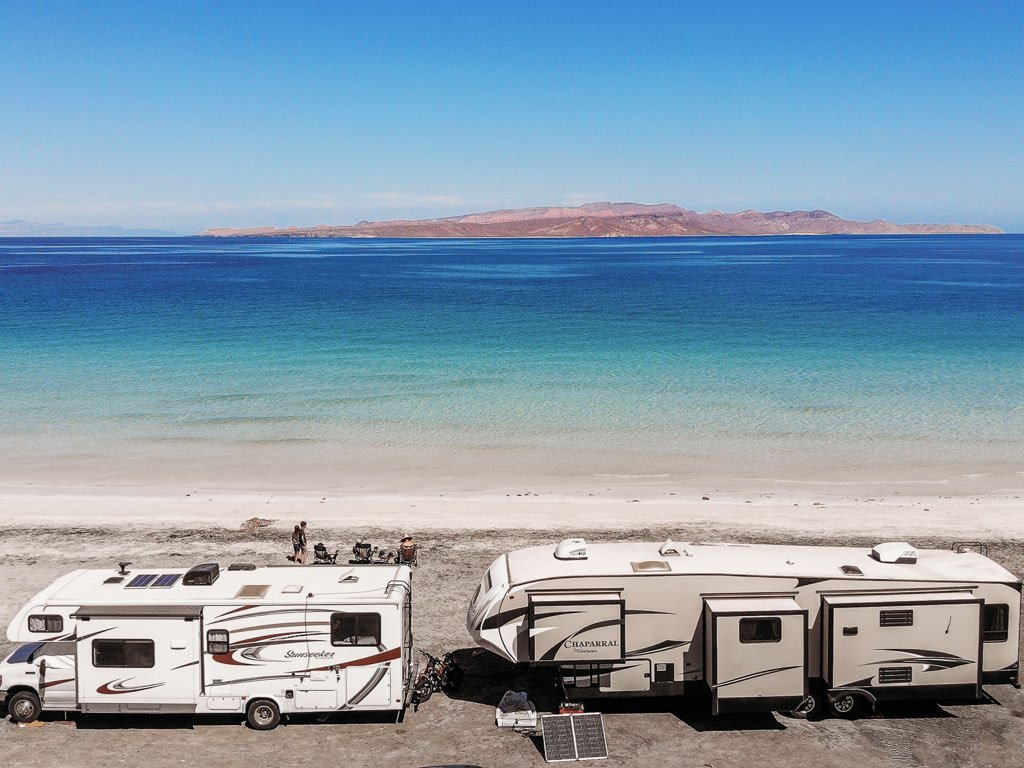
column 291, row 589
column 241, row 567
column 894, row 675
column 851, row 570
column 114, row 580
column 651, row 566
column 253, row 590
column 896, row 619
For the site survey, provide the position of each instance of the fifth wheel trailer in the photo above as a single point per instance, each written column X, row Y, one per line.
column 760, row 627
column 258, row 641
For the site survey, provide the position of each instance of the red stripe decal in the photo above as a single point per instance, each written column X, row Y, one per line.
column 377, row 658
column 57, row 682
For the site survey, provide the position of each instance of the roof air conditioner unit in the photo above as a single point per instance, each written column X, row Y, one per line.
column 201, row 575
column 571, row 549
column 895, row 552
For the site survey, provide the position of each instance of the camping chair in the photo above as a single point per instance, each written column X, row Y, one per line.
column 406, row 554
column 363, row 552
column 322, row 557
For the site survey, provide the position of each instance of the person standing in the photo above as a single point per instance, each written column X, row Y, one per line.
column 302, row 542
column 298, row 545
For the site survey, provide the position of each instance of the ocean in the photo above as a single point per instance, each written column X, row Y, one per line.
column 323, row 362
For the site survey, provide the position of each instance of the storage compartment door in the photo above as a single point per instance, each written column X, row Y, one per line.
column 756, row 654
column 370, row 686
column 577, row 628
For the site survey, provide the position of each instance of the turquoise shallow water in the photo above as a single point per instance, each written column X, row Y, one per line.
column 816, row 352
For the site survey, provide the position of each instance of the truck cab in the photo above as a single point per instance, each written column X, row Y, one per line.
column 38, row 676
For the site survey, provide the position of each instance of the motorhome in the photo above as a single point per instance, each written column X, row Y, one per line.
column 260, row 641
column 758, row 627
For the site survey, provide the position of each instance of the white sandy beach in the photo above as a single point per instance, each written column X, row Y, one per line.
column 612, row 505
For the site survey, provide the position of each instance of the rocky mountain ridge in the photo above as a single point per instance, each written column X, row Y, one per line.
column 613, row 220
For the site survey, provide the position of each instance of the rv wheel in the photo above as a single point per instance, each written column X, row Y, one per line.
column 813, row 706
column 263, row 715
column 845, row 705
column 24, row 707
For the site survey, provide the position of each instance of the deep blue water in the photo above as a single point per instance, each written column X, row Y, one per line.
column 886, row 347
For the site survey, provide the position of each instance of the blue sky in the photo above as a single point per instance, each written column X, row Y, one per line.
column 188, row 115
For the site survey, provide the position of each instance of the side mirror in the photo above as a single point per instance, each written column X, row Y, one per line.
column 42, row 666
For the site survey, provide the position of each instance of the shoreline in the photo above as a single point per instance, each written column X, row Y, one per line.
column 618, row 507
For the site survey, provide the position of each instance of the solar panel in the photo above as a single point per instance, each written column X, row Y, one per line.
column 142, row 580
column 590, row 738
column 559, row 745
column 166, row 580
column 574, row 737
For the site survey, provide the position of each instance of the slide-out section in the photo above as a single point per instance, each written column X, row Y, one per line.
column 577, row 628
column 756, row 653
column 138, row 658
column 907, row 645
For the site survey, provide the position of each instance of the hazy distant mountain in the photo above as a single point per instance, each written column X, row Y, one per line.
column 614, row 220
column 18, row 228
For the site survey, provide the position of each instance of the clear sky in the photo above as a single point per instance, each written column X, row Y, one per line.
column 187, row 115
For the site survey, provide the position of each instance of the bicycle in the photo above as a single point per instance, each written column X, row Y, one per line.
column 439, row 674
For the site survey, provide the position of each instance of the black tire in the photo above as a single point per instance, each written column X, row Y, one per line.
column 452, row 678
column 262, row 715
column 846, row 705
column 24, row 707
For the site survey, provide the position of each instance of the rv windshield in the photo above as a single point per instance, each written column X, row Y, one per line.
column 24, row 654
column 29, row 652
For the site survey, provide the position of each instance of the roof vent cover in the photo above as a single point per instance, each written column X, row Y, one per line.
column 669, row 549
column 895, row 552
column 571, row 549
column 202, row 575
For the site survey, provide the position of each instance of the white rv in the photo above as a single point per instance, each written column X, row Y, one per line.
column 260, row 641
column 763, row 628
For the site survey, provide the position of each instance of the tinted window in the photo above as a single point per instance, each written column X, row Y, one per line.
column 137, row 654
column 46, row 623
column 761, row 630
column 355, row 629
column 997, row 623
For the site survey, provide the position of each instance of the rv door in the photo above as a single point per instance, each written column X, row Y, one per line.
column 577, row 628
column 755, row 651
column 56, row 674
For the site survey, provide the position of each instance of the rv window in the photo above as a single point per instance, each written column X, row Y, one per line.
column 355, row 629
column 137, row 654
column 218, row 641
column 46, row 623
column 997, row 623
column 761, row 630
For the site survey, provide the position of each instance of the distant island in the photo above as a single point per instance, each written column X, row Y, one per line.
column 614, row 220
column 20, row 228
